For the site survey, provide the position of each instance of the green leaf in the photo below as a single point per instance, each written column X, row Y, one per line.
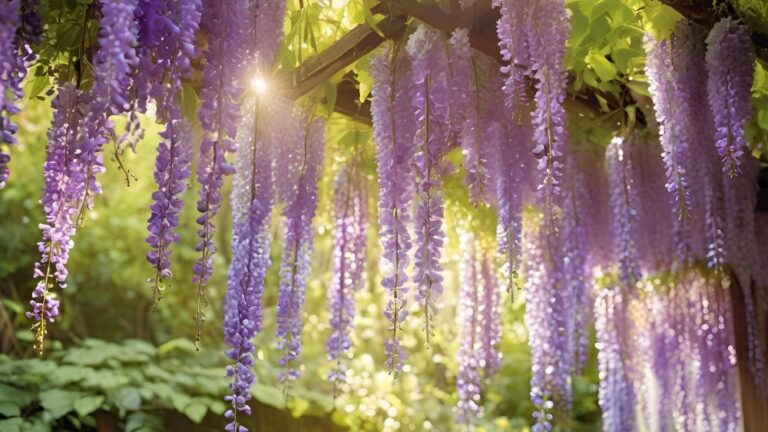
column 181, row 344
column 38, row 84
column 196, row 412
column 11, row 425
column 330, row 96
column 88, row 404
column 59, row 402
column 10, row 409
column 14, row 395
column 604, row 69
column 268, row 395
column 127, row 399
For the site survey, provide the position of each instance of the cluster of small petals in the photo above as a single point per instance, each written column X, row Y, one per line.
column 116, row 57
column 12, row 72
column 394, row 130
column 220, row 93
column 299, row 211
column 63, row 188
column 730, row 62
column 350, row 214
column 616, row 393
column 670, row 86
column 431, row 98
column 469, row 381
column 624, row 206
column 267, row 31
column 514, row 28
column 479, row 320
column 683, row 333
column 466, row 114
column 548, row 316
column 174, row 154
column 252, row 200
column 740, row 200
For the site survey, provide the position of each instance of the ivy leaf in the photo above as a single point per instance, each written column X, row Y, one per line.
column 88, row 404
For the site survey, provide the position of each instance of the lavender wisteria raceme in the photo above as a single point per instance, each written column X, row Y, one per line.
column 546, row 315
column 616, row 392
column 490, row 315
column 10, row 82
column 666, row 67
column 624, row 206
column 63, row 187
column 654, row 213
column 267, row 31
column 431, row 98
column 174, row 154
column 220, row 93
column 350, row 214
column 550, row 27
column 465, row 111
column 514, row 28
column 298, row 189
column 469, row 381
column 252, row 199
column 740, row 200
column 394, row 130
column 731, row 64
column 113, row 64
column 680, row 339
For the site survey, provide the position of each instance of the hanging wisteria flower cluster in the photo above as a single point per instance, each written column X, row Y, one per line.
column 646, row 233
column 667, row 356
column 479, row 318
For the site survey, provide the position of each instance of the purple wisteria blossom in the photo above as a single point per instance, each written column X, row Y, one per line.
column 465, row 111
column 731, row 66
column 679, row 337
column 654, row 212
column 469, row 381
column 616, row 393
column 113, row 64
column 350, row 214
column 624, row 207
column 12, row 72
column 297, row 178
column 671, row 71
column 252, row 200
column 267, row 31
column 489, row 311
column 220, row 93
column 546, row 316
column 514, row 28
column 431, row 99
column 174, row 154
column 63, row 188
column 740, row 200
column 394, row 129
column 546, row 42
